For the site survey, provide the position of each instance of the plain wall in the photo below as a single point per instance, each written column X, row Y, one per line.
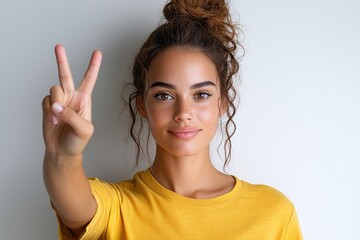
column 298, row 119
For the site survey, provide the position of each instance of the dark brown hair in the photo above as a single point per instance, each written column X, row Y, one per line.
column 202, row 24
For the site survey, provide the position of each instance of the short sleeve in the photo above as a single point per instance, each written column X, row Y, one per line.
column 107, row 200
column 293, row 231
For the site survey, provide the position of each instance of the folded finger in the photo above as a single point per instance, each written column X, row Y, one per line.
column 46, row 106
column 48, row 116
column 56, row 95
column 81, row 127
column 65, row 77
column 91, row 74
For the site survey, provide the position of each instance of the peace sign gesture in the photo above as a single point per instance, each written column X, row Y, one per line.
column 67, row 126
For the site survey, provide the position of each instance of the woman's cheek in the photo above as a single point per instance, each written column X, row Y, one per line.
column 159, row 112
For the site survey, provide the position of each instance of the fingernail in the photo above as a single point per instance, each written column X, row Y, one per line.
column 57, row 107
column 55, row 120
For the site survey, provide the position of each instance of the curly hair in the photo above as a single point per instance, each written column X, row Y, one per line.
column 202, row 24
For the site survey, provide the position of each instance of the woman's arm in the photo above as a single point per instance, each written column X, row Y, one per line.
column 67, row 129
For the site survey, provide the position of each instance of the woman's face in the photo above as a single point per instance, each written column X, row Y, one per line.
column 182, row 104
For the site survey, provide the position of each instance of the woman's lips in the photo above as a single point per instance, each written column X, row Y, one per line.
column 184, row 133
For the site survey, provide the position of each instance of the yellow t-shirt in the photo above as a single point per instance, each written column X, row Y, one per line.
column 142, row 209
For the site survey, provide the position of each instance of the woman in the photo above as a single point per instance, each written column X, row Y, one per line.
column 183, row 86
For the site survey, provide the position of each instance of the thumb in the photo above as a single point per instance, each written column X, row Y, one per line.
column 81, row 127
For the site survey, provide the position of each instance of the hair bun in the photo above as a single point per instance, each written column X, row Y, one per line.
column 196, row 9
column 214, row 15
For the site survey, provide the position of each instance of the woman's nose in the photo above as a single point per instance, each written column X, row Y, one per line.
column 183, row 111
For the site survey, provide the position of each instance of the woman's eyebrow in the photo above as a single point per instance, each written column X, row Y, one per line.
column 171, row 86
column 203, row 84
column 162, row 84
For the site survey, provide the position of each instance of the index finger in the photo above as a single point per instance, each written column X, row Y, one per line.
column 88, row 83
column 65, row 77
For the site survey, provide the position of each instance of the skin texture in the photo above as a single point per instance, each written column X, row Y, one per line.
column 182, row 107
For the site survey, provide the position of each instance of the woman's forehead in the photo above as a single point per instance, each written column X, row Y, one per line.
column 180, row 65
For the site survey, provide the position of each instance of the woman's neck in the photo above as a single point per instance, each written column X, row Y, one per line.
column 191, row 176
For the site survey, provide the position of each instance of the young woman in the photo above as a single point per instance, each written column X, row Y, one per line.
column 183, row 86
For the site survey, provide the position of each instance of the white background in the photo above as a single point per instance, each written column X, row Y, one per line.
column 298, row 119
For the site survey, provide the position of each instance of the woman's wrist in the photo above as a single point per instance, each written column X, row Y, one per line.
column 63, row 161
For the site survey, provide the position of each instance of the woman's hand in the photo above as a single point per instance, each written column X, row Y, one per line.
column 67, row 126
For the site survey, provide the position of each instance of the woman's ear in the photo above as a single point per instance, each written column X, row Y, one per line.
column 140, row 106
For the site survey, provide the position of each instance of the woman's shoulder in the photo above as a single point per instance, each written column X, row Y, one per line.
column 126, row 184
column 271, row 206
column 259, row 188
column 265, row 195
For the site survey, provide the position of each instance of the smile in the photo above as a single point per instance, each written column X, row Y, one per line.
column 184, row 133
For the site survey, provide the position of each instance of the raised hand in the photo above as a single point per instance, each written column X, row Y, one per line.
column 67, row 126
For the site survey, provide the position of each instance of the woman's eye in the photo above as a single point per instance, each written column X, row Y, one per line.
column 202, row 95
column 164, row 96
